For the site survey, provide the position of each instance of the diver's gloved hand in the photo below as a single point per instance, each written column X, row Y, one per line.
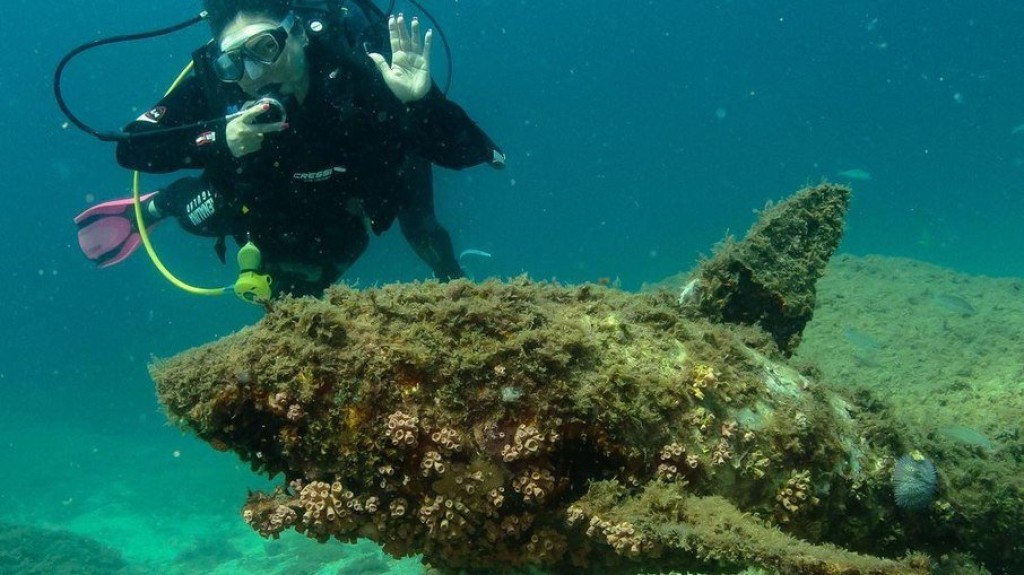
column 108, row 232
column 245, row 132
column 408, row 75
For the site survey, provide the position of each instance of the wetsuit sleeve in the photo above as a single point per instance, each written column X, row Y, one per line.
column 170, row 150
column 443, row 132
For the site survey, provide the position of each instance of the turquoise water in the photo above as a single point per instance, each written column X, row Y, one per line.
column 638, row 134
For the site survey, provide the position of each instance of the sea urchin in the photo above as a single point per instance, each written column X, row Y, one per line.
column 914, row 481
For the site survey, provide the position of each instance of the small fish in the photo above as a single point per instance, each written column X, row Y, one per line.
column 479, row 253
column 955, row 304
column 855, row 174
column 1017, row 129
column 862, row 341
column 967, row 435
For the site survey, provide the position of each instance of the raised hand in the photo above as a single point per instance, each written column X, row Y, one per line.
column 408, row 75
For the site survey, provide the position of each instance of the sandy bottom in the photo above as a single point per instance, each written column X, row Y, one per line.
column 944, row 348
column 165, row 504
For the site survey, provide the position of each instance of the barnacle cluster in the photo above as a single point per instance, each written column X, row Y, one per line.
column 794, row 496
column 621, row 536
column 431, row 488
column 672, row 461
column 534, row 484
column 528, row 441
column 269, row 520
column 703, row 377
column 448, row 439
column 402, row 429
column 327, row 509
column 445, row 518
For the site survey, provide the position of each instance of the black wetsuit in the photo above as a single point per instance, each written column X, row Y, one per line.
column 353, row 159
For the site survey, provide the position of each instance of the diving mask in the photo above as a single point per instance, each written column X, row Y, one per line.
column 252, row 50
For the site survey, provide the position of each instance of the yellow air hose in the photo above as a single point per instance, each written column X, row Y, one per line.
column 251, row 287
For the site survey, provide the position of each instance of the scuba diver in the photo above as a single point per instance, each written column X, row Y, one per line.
column 320, row 135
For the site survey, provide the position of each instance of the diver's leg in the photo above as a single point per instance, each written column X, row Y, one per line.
column 296, row 279
column 320, row 263
column 196, row 204
column 419, row 224
column 353, row 242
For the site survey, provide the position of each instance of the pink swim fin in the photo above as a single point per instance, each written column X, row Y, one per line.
column 108, row 233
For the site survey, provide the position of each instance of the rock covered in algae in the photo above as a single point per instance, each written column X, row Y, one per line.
column 498, row 425
column 506, row 425
column 769, row 278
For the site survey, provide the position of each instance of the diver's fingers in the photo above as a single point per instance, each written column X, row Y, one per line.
column 268, row 128
column 394, row 35
column 250, row 114
column 428, row 40
column 403, row 33
column 415, row 36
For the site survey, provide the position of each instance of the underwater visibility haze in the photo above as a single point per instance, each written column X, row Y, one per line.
column 639, row 135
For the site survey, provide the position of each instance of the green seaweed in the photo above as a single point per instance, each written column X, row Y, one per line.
column 521, row 424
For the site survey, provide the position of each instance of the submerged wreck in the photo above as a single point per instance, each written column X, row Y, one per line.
column 576, row 429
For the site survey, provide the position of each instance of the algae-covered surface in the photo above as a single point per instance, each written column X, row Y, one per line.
column 500, row 426
column 523, row 424
column 945, row 352
column 517, row 424
column 769, row 279
column 879, row 325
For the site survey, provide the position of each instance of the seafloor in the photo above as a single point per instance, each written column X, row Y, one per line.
column 943, row 348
